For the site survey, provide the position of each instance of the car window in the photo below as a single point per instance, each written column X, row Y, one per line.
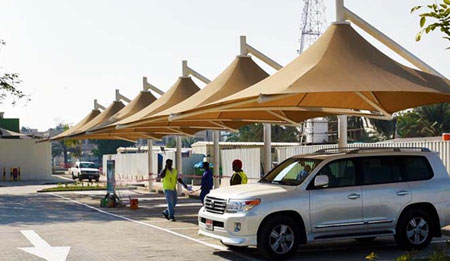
column 291, row 172
column 87, row 165
column 417, row 168
column 378, row 170
column 341, row 173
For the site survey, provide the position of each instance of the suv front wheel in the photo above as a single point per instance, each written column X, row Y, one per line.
column 414, row 230
column 278, row 237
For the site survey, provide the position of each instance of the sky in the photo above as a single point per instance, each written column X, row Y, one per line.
column 69, row 53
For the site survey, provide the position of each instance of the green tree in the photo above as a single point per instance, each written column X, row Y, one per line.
column 255, row 133
column 439, row 14
column 109, row 146
column 385, row 129
column 66, row 146
column 9, row 84
column 426, row 121
column 186, row 142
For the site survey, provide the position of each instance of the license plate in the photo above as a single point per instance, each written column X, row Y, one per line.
column 209, row 224
column 91, row 177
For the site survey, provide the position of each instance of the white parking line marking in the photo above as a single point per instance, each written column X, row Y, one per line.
column 42, row 249
column 143, row 223
column 182, row 228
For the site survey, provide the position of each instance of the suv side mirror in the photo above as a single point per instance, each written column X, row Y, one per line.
column 321, row 181
column 77, row 166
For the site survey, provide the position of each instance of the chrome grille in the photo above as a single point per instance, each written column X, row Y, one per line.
column 215, row 205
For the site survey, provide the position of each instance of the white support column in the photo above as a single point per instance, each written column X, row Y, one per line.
column 97, row 105
column 178, row 163
column 342, row 119
column 147, row 86
column 340, row 11
column 121, row 97
column 267, row 148
column 151, row 175
column 216, row 148
column 342, row 131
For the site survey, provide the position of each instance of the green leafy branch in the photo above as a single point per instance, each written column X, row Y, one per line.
column 439, row 14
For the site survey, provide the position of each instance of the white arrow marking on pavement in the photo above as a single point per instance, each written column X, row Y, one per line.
column 42, row 248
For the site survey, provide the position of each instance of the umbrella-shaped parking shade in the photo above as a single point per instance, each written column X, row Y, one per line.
column 183, row 88
column 240, row 74
column 99, row 119
column 7, row 134
column 341, row 73
column 142, row 100
column 76, row 127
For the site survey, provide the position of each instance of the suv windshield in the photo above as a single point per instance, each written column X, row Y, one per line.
column 291, row 172
column 87, row 165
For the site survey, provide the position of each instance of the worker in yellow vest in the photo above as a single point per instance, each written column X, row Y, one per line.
column 239, row 176
column 169, row 177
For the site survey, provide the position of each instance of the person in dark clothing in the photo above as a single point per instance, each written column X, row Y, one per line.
column 239, row 176
column 207, row 181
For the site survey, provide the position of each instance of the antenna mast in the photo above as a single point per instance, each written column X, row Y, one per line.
column 312, row 23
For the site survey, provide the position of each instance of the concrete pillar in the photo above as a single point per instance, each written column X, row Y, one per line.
column 151, row 175
column 179, row 164
column 267, row 148
column 340, row 11
column 216, row 148
column 342, row 131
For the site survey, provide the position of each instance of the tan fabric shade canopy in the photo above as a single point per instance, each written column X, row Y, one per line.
column 99, row 119
column 183, row 88
column 240, row 74
column 6, row 134
column 76, row 127
column 341, row 73
column 142, row 100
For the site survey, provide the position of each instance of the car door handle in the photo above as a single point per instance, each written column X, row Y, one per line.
column 353, row 196
column 402, row 193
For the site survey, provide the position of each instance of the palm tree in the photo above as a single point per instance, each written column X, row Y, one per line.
column 426, row 121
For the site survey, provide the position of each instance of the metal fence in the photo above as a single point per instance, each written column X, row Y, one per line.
column 134, row 166
column 441, row 147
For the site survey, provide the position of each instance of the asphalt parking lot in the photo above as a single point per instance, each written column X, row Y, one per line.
column 72, row 224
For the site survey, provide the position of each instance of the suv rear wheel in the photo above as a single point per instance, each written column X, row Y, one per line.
column 278, row 237
column 414, row 230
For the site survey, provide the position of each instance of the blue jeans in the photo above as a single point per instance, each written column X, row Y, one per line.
column 171, row 198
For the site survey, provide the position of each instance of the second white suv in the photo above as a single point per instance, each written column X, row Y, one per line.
column 352, row 193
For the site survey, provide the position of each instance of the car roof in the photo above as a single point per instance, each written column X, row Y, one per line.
column 356, row 151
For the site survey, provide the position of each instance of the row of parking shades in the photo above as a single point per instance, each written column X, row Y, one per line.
column 14, row 174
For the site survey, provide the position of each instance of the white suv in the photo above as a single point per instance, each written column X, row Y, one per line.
column 351, row 193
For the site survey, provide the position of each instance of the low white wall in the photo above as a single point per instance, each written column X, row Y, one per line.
column 134, row 166
column 34, row 159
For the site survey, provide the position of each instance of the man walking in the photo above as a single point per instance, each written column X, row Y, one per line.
column 169, row 177
column 207, row 181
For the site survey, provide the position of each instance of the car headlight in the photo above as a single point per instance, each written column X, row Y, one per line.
column 241, row 206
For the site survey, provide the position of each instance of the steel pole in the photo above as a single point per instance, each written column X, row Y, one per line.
column 179, row 164
column 267, row 148
column 151, row 175
column 216, row 149
column 340, row 16
column 342, row 131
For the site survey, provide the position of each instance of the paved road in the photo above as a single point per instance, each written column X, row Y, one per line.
column 73, row 219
